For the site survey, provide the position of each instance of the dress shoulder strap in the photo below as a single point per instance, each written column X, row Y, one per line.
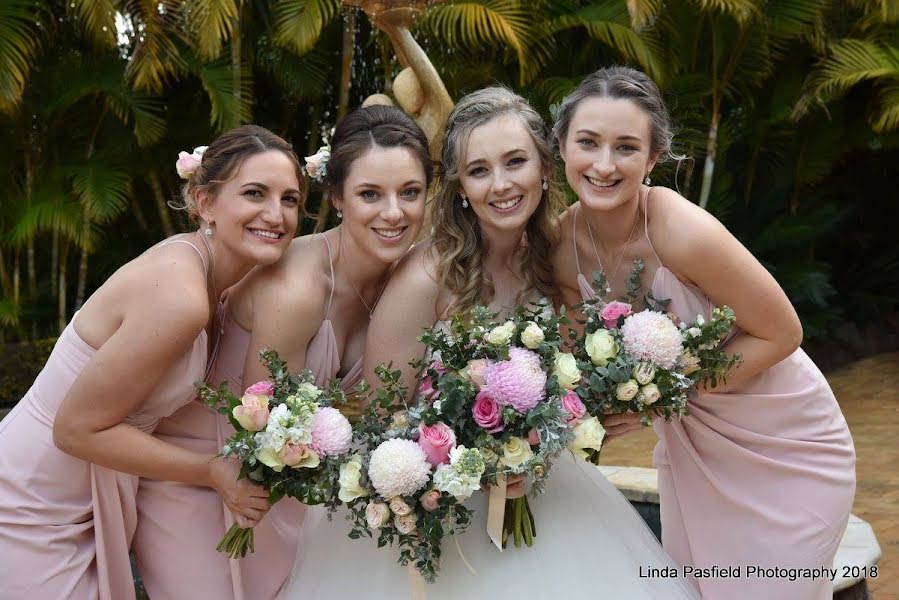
column 646, row 225
column 331, row 265
column 197, row 250
column 577, row 260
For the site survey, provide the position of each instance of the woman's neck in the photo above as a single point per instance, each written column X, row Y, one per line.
column 365, row 271
column 611, row 229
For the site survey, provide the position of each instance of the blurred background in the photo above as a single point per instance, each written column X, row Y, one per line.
column 788, row 110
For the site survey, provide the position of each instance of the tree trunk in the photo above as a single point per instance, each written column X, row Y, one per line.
column 54, row 263
column 139, row 215
column 82, row 264
column 32, row 271
column 5, row 281
column 708, row 169
column 16, row 279
column 161, row 206
column 61, row 304
column 236, row 67
column 346, row 62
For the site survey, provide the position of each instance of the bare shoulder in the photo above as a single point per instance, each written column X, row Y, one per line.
column 681, row 229
column 414, row 283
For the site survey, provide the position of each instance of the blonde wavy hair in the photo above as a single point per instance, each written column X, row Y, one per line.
column 457, row 241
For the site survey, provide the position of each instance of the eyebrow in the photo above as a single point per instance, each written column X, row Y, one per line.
column 626, row 136
column 504, row 154
column 366, row 184
column 266, row 188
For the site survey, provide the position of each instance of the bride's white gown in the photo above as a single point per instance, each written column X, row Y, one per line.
column 590, row 543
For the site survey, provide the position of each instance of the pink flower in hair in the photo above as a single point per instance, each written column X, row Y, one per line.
column 188, row 164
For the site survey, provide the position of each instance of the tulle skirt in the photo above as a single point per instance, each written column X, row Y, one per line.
column 590, row 543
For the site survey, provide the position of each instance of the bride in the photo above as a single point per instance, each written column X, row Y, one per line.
column 494, row 227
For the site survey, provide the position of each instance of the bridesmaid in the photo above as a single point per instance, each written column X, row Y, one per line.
column 313, row 307
column 72, row 450
column 762, row 471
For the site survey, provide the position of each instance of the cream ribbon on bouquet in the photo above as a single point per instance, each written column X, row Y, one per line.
column 496, row 511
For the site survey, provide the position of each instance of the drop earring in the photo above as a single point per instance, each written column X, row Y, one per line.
column 545, row 184
column 339, row 214
column 464, row 200
column 208, row 231
column 647, row 181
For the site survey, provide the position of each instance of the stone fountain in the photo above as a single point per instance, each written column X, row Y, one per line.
column 418, row 88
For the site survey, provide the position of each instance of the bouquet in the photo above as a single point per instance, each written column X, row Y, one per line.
column 506, row 390
column 647, row 362
column 290, row 439
column 404, row 487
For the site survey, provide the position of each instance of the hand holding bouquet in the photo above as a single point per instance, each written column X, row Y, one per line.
column 290, row 439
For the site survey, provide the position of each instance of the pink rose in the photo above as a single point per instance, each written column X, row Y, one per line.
column 475, row 371
column 486, row 412
column 533, row 437
column 612, row 311
column 298, row 456
column 426, row 389
column 437, row 441
column 252, row 412
column 572, row 404
column 262, row 388
column 430, row 501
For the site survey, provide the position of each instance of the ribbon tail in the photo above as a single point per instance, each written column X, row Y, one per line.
column 462, row 556
column 496, row 510
column 417, row 586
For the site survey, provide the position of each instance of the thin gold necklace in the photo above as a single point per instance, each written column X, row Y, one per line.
column 608, row 289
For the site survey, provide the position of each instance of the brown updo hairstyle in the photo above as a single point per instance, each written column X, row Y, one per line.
column 365, row 128
column 458, row 243
column 223, row 158
column 620, row 82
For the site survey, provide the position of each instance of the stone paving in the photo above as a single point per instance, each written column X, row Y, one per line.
column 868, row 392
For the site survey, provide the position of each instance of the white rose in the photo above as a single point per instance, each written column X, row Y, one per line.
column 532, row 335
column 405, row 524
column 588, row 434
column 644, row 373
column 502, row 334
column 516, row 452
column 566, row 370
column 350, row 480
column 601, row 347
column 650, row 393
column 627, row 390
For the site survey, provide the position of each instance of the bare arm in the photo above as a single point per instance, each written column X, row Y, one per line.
column 407, row 307
column 700, row 249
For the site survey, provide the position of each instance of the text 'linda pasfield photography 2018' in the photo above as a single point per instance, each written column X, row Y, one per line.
column 740, row 571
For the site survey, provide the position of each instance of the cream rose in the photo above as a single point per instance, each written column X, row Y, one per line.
column 405, row 524
column 502, row 334
column 399, row 507
column 516, row 452
column 532, row 335
column 566, row 370
column 350, row 480
column 649, row 394
column 588, row 434
column 270, row 458
column 644, row 373
column 627, row 390
column 376, row 515
column 601, row 347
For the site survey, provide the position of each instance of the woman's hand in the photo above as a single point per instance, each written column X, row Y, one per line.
column 247, row 501
column 619, row 424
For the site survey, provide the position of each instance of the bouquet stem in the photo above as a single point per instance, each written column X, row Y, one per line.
column 520, row 521
column 237, row 542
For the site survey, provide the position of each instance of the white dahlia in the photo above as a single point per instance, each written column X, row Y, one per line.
column 651, row 336
column 398, row 468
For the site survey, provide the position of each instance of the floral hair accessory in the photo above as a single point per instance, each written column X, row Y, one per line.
column 317, row 164
column 187, row 163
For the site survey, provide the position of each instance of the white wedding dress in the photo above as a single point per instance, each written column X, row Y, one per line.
column 590, row 543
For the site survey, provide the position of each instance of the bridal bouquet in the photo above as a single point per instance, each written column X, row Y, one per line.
column 289, row 438
column 407, row 485
column 507, row 390
column 646, row 362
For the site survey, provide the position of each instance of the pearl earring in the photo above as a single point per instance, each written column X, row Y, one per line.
column 339, row 214
column 545, row 184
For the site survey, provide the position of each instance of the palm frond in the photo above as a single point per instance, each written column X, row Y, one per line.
column 18, row 45
column 742, row 11
column 886, row 116
column 643, row 13
column 155, row 58
column 211, row 24
column 97, row 18
column 217, row 80
column 851, row 61
column 302, row 77
column 299, row 23
column 494, row 23
column 102, row 188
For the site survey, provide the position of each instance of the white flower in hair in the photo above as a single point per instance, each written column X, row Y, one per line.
column 317, row 164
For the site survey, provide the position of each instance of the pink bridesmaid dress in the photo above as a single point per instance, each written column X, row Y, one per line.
column 180, row 525
column 66, row 524
column 760, row 477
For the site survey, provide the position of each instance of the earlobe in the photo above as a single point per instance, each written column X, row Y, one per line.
column 203, row 202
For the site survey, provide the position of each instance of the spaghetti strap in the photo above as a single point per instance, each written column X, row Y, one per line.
column 577, row 260
column 331, row 265
column 646, row 226
column 179, row 241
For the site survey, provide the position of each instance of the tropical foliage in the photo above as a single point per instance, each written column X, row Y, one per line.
column 788, row 113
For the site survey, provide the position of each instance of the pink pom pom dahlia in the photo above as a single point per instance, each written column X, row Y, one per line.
column 519, row 382
column 652, row 337
column 331, row 432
